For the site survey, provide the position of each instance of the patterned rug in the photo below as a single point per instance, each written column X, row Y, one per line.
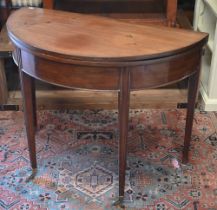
column 78, row 162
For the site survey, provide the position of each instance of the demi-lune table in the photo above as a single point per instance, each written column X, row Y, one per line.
column 91, row 52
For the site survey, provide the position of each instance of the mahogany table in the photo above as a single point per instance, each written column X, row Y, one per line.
column 82, row 51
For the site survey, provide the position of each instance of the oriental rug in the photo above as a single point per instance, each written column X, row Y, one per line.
column 77, row 154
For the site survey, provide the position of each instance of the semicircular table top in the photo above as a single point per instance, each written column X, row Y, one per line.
column 89, row 37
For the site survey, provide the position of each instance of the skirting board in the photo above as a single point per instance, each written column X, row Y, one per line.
column 208, row 104
column 81, row 99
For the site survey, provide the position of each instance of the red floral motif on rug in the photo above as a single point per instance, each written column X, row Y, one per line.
column 77, row 153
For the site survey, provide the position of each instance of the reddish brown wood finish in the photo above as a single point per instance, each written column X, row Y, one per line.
column 95, row 6
column 152, row 74
column 171, row 12
column 28, row 92
column 94, row 38
column 48, row 4
column 94, row 57
column 123, row 108
column 192, row 94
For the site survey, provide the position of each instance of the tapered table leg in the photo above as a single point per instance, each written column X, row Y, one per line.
column 27, row 86
column 192, row 95
column 34, row 102
column 123, row 106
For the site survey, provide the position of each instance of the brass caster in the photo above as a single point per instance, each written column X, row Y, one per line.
column 184, row 161
column 32, row 176
column 119, row 203
column 185, row 157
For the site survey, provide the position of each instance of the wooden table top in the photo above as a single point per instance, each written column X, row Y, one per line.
column 93, row 38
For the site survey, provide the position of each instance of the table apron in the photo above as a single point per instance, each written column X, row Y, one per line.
column 151, row 74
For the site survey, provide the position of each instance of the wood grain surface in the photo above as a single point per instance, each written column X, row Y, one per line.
column 86, row 37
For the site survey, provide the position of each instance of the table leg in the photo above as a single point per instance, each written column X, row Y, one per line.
column 192, row 95
column 123, row 107
column 34, row 103
column 27, row 86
